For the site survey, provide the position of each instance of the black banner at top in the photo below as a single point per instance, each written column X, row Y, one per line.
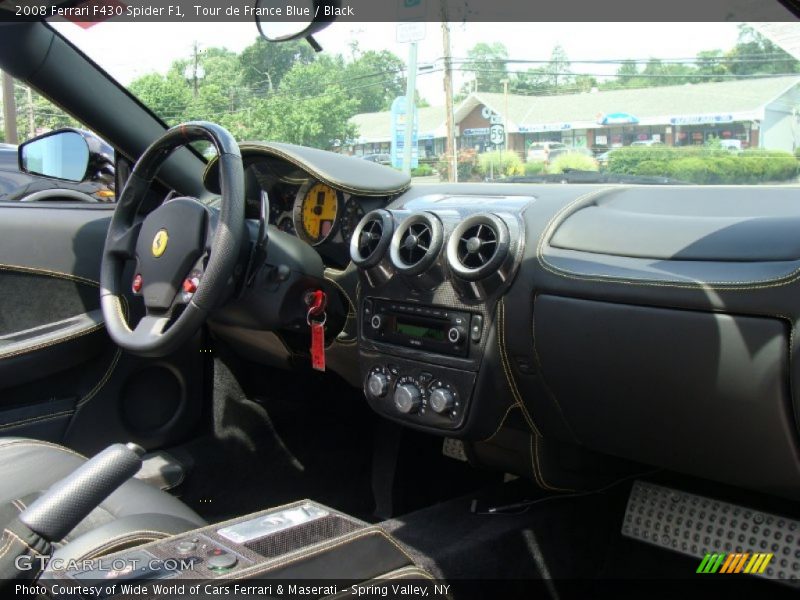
column 93, row 11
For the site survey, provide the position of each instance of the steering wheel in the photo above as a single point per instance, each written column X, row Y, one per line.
column 185, row 253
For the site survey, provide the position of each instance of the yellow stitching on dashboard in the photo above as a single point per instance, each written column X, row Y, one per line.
column 534, row 445
column 507, row 367
column 549, row 392
column 99, row 385
column 502, row 422
column 49, row 273
column 561, row 215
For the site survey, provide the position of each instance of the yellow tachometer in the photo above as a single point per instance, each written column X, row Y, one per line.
column 318, row 212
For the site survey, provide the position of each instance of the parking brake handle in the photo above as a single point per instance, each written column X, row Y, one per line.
column 56, row 512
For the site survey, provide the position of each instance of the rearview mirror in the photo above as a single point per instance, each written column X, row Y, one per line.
column 60, row 154
column 279, row 22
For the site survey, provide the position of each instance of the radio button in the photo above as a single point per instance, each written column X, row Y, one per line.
column 477, row 328
column 376, row 322
column 456, row 334
column 407, row 398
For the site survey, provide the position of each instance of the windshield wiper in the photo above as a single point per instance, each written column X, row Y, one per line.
column 576, row 176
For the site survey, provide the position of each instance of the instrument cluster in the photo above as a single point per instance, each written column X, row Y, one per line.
column 315, row 212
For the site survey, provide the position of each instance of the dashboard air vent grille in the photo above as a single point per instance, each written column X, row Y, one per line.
column 477, row 246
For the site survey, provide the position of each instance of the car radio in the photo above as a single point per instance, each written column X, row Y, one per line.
column 429, row 328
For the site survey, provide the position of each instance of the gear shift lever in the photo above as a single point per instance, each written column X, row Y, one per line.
column 56, row 512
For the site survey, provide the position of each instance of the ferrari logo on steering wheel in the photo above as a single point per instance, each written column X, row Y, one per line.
column 160, row 242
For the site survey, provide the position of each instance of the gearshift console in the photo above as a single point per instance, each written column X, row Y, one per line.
column 302, row 540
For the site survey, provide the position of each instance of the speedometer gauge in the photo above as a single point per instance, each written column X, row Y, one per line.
column 315, row 212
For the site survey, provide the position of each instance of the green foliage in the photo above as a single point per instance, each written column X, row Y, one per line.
column 263, row 64
column 423, row 170
column 535, row 168
column 276, row 91
column 710, row 164
column 572, row 160
column 500, row 164
column 488, row 64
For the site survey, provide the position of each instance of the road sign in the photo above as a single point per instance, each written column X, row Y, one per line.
column 410, row 31
column 497, row 134
column 496, row 119
column 398, row 126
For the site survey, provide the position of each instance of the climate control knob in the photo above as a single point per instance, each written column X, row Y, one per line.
column 407, row 398
column 441, row 400
column 377, row 385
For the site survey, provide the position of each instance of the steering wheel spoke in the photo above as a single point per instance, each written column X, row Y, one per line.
column 123, row 245
column 149, row 329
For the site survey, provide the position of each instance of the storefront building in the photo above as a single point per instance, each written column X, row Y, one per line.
column 758, row 113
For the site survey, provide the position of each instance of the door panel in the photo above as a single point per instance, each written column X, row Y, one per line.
column 61, row 377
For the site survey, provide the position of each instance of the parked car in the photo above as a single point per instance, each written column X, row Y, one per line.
column 381, row 159
column 731, row 145
column 18, row 185
column 544, row 151
column 647, row 143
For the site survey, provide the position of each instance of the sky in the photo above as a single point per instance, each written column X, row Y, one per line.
column 128, row 50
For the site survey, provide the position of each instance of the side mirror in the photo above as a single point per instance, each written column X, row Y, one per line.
column 60, row 154
column 307, row 17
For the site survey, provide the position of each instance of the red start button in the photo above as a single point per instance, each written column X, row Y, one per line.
column 137, row 283
column 190, row 285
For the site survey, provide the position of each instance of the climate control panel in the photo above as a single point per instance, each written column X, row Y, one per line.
column 420, row 393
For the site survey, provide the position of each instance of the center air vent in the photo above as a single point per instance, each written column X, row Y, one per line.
column 416, row 244
column 478, row 246
column 371, row 237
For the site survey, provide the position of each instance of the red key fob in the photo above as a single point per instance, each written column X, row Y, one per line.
column 317, row 346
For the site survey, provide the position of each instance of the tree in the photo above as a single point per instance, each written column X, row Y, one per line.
column 263, row 64
column 756, row 55
column 711, row 65
column 558, row 69
column 375, row 80
column 488, row 64
column 627, row 71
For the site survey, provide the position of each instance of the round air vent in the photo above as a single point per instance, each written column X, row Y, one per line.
column 478, row 246
column 371, row 237
column 416, row 244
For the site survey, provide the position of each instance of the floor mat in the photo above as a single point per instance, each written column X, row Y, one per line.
column 278, row 440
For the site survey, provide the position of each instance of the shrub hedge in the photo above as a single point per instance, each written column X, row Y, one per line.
column 703, row 164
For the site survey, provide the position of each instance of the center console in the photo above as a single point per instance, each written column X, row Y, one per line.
column 431, row 272
column 300, row 541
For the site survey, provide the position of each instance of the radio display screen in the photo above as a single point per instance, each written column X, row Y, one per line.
column 420, row 330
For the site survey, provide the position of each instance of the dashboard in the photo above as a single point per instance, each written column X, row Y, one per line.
column 610, row 318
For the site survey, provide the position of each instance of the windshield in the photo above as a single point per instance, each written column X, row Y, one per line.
column 706, row 103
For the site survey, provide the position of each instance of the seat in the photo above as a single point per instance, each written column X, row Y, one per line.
column 134, row 514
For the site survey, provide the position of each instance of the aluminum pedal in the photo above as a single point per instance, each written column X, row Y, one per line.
column 453, row 448
column 724, row 537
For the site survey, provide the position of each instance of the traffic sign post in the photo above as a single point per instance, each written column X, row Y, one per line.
column 497, row 134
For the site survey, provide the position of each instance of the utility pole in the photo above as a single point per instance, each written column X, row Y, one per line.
column 196, row 56
column 505, row 110
column 450, row 144
column 9, row 109
column 31, row 115
column 194, row 72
